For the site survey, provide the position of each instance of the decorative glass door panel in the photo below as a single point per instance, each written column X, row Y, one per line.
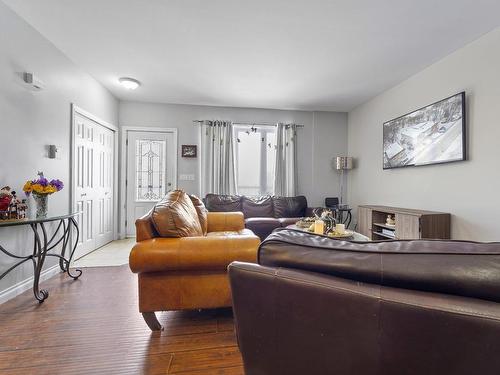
column 151, row 161
column 150, row 169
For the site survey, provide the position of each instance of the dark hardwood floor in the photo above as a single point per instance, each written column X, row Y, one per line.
column 92, row 326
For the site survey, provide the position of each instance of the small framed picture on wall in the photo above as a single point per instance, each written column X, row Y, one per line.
column 189, row 151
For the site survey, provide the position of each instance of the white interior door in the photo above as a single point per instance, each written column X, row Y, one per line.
column 93, row 172
column 151, row 168
column 103, row 189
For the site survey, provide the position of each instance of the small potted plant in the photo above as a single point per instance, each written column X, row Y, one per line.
column 41, row 188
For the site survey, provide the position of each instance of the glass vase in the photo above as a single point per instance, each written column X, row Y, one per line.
column 42, row 205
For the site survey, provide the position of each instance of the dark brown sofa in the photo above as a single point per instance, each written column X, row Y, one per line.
column 315, row 306
column 262, row 214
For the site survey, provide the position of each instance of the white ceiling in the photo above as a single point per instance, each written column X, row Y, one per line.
column 288, row 54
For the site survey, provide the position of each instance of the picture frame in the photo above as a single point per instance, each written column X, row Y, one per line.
column 434, row 134
column 189, row 151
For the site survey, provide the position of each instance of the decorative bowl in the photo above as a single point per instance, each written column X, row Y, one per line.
column 346, row 234
column 305, row 222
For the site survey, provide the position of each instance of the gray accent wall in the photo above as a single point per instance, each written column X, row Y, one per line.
column 29, row 121
column 468, row 190
column 323, row 137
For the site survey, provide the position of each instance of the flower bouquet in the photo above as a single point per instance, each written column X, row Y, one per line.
column 41, row 188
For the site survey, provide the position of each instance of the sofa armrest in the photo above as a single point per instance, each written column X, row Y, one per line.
column 144, row 228
column 225, row 221
column 295, row 319
column 193, row 253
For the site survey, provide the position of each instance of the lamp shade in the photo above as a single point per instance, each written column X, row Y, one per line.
column 343, row 163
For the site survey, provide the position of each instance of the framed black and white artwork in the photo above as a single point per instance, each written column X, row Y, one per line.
column 430, row 135
column 189, row 151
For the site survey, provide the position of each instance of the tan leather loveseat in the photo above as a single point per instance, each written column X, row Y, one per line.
column 182, row 253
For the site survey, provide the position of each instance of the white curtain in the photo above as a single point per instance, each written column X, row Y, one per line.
column 218, row 171
column 285, row 177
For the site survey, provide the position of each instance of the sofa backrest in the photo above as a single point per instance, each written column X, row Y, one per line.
column 257, row 206
column 463, row 268
column 265, row 206
column 223, row 203
column 290, row 206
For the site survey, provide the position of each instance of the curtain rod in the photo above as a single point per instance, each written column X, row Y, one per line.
column 251, row 123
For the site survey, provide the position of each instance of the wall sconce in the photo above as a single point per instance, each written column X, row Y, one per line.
column 53, row 150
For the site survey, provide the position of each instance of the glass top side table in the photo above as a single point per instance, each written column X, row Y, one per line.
column 43, row 246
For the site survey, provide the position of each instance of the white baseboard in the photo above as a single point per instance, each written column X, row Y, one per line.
column 27, row 284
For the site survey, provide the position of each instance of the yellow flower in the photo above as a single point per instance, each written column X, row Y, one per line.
column 49, row 189
column 28, row 187
column 37, row 188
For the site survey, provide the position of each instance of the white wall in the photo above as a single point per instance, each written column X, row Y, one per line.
column 30, row 121
column 323, row 137
column 468, row 190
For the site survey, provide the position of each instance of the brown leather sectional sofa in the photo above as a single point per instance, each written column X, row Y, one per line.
column 182, row 253
column 316, row 306
column 262, row 214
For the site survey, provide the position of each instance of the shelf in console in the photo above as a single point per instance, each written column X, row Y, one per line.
column 381, row 225
column 384, row 235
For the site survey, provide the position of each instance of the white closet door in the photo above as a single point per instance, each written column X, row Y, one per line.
column 104, row 186
column 93, row 180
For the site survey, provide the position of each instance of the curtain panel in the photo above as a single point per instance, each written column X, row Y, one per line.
column 218, row 166
column 285, row 180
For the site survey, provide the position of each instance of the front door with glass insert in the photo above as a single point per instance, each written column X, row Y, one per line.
column 150, row 172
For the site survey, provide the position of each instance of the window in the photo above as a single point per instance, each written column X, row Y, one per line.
column 255, row 158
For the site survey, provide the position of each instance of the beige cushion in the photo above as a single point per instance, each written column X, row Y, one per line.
column 176, row 216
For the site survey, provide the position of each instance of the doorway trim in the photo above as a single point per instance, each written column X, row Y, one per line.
column 123, row 167
column 78, row 110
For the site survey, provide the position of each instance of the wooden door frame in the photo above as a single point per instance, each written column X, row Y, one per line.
column 72, row 196
column 124, row 167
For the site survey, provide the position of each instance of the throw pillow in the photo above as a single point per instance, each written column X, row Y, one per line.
column 201, row 211
column 176, row 216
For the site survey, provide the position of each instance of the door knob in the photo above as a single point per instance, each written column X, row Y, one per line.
column 83, row 194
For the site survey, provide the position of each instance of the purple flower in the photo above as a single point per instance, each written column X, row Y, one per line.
column 58, row 184
column 42, row 181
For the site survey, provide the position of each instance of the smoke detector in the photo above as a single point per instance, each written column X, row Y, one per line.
column 33, row 81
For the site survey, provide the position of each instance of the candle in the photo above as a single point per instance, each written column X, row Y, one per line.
column 319, row 227
column 340, row 228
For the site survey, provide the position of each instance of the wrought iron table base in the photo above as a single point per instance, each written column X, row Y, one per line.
column 42, row 245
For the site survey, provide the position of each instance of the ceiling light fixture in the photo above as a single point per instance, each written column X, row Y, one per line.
column 129, row 83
